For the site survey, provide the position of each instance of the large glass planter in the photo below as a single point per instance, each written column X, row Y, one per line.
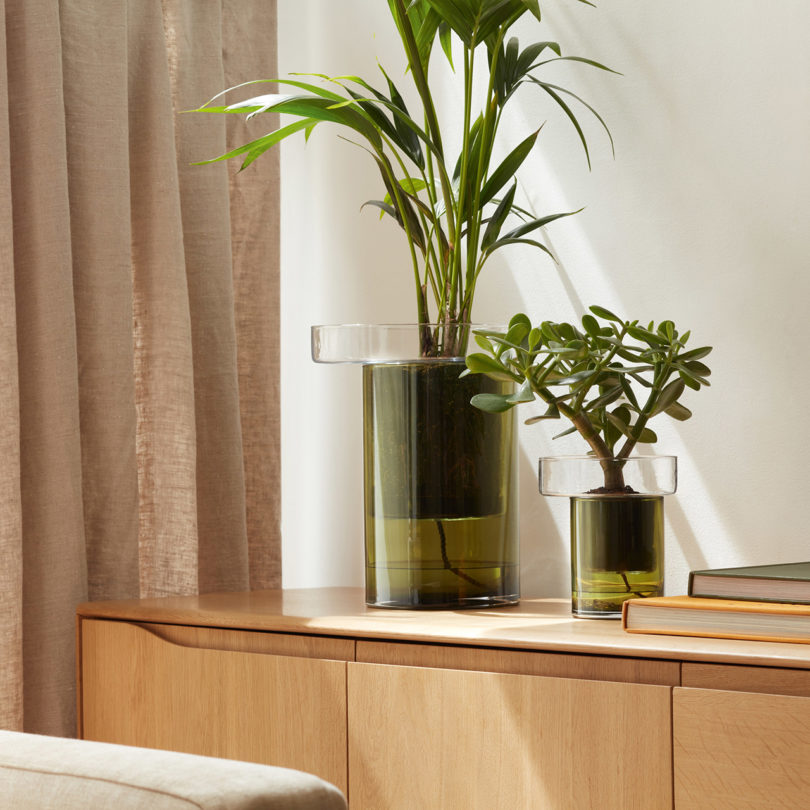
column 440, row 489
column 617, row 526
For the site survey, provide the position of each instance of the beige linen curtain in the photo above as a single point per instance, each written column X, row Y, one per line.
column 138, row 324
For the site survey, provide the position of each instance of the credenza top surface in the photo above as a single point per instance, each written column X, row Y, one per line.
column 534, row 624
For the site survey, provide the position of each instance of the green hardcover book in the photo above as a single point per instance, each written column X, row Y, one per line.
column 783, row 582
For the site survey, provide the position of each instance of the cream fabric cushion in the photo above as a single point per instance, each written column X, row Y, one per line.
column 53, row 773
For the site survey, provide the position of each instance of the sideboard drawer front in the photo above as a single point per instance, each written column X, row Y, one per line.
column 138, row 688
column 422, row 737
column 740, row 750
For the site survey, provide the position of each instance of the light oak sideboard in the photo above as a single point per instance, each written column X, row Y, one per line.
column 521, row 707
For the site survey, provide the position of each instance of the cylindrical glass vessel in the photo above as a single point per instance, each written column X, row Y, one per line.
column 440, row 487
column 617, row 526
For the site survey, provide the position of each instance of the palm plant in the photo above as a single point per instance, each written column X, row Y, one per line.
column 455, row 213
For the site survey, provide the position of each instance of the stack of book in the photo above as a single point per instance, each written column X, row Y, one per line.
column 757, row 602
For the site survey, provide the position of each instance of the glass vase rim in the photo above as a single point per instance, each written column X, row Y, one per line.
column 406, row 324
column 573, row 479
column 388, row 343
column 589, row 457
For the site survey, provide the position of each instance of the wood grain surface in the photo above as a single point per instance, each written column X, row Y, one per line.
column 216, row 638
column 773, row 680
column 560, row 665
column 521, row 707
column 139, row 689
column 450, row 739
column 534, row 624
column 740, row 751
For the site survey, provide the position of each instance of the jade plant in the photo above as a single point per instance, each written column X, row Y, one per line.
column 456, row 210
column 608, row 377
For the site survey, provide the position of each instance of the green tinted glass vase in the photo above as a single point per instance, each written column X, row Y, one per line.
column 440, row 476
column 440, row 489
column 617, row 535
column 617, row 550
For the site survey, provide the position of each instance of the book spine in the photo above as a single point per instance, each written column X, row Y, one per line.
column 625, row 611
column 691, row 580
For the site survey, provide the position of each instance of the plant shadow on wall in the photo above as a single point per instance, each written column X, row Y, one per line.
column 608, row 380
column 441, row 514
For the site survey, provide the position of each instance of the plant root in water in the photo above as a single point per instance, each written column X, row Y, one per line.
column 629, row 587
column 446, row 560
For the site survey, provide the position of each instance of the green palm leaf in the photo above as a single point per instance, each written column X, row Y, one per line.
column 507, row 169
column 453, row 218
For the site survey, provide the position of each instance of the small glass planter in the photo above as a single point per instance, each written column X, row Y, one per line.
column 617, row 526
column 440, row 485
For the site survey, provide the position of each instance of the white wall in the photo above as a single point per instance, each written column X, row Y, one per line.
column 700, row 218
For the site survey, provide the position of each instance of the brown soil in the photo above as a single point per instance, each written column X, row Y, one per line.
column 627, row 490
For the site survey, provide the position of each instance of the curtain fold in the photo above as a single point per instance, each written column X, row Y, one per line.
column 255, row 239
column 11, row 663
column 164, row 377
column 206, row 218
column 100, row 239
column 138, row 325
column 54, row 567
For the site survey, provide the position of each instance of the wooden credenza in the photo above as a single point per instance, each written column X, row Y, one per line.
column 522, row 707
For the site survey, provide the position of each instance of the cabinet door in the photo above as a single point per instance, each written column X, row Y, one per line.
column 421, row 737
column 740, row 750
column 138, row 688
